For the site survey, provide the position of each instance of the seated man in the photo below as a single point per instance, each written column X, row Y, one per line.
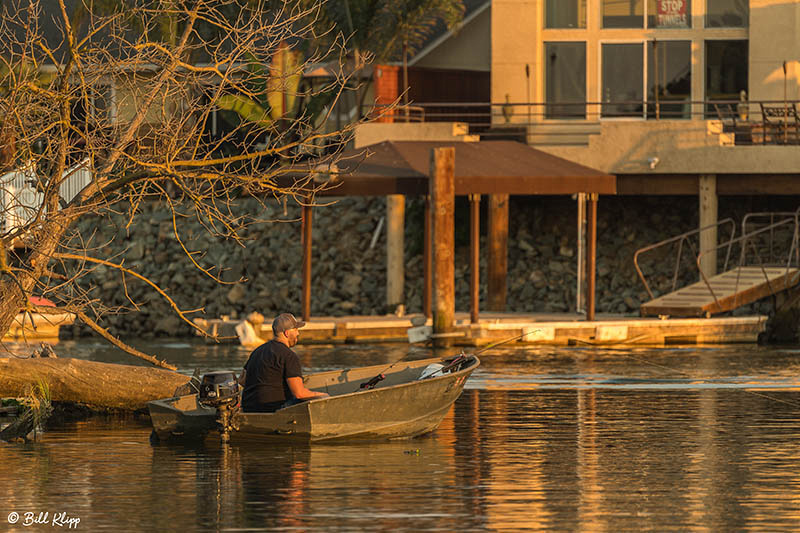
column 272, row 376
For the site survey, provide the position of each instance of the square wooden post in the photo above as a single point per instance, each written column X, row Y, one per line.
column 442, row 193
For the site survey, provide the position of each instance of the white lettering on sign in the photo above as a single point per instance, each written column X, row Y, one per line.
column 671, row 13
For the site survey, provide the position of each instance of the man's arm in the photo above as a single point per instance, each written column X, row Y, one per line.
column 242, row 377
column 300, row 391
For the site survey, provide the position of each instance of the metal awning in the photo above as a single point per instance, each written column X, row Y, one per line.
column 485, row 167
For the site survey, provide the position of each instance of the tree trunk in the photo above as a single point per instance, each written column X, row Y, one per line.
column 97, row 385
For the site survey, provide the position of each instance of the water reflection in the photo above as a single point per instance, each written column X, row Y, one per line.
column 589, row 440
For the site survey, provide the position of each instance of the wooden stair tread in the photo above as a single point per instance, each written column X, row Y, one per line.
column 734, row 288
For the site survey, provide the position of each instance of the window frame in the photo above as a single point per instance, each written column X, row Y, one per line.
column 545, row 80
column 692, row 71
column 545, row 27
column 645, row 43
column 601, row 103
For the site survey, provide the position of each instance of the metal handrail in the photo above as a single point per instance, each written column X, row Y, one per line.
column 744, row 239
column 772, row 215
column 683, row 237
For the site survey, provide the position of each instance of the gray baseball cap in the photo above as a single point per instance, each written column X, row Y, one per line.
column 284, row 322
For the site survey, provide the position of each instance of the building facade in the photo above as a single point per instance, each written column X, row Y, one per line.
column 652, row 86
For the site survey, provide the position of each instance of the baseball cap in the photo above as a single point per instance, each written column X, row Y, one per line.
column 284, row 322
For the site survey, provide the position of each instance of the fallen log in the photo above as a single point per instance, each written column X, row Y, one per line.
column 102, row 386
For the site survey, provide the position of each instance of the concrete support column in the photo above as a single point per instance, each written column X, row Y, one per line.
column 395, row 259
column 707, row 194
column 442, row 194
column 497, row 246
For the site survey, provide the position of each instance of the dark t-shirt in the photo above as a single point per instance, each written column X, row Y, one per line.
column 265, row 387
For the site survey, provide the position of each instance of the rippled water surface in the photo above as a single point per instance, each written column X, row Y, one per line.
column 545, row 439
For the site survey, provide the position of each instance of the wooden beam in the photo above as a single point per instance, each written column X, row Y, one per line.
column 497, row 247
column 442, row 194
column 474, row 252
column 306, row 240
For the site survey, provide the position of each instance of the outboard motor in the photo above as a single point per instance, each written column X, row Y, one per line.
column 219, row 388
column 221, row 391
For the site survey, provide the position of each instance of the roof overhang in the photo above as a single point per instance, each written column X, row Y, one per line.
column 486, row 167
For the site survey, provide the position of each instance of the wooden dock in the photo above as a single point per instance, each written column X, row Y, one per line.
column 724, row 292
column 540, row 329
column 36, row 326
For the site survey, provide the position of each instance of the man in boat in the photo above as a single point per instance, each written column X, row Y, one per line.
column 272, row 375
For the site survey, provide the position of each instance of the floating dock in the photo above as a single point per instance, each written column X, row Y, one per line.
column 36, row 326
column 538, row 329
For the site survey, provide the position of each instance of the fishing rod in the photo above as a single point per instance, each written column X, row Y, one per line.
column 687, row 375
column 454, row 362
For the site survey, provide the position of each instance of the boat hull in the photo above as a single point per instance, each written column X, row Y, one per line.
column 401, row 406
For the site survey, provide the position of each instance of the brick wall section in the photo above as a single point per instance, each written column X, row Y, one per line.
column 386, row 87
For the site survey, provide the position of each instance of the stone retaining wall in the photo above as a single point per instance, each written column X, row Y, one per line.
column 349, row 259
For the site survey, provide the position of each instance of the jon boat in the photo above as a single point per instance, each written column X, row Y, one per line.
column 411, row 399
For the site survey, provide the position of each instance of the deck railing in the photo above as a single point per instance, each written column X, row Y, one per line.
column 20, row 199
column 747, row 122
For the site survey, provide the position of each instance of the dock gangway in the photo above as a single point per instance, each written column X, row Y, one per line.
column 768, row 263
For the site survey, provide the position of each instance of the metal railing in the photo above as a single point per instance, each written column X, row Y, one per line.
column 684, row 240
column 748, row 242
column 747, row 122
column 757, row 247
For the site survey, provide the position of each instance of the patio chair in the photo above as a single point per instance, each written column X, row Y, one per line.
column 780, row 123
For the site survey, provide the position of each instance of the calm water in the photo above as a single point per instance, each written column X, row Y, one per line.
column 546, row 439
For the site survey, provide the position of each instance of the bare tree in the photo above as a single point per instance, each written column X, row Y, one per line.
column 106, row 105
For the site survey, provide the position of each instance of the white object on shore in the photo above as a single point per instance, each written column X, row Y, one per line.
column 247, row 334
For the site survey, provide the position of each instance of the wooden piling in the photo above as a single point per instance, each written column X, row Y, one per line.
column 306, row 230
column 497, row 248
column 474, row 255
column 442, row 194
column 395, row 260
column 426, row 259
column 707, row 195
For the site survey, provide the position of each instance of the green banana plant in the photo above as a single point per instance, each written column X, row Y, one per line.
column 274, row 92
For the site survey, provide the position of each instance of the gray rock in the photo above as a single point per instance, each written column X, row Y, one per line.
column 237, row 294
column 351, row 284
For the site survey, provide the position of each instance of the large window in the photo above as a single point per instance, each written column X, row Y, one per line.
column 623, row 13
column 565, row 14
column 669, row 79
column 726, row 69
column 565, row 80
column 727, row 13
column 623, row 75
